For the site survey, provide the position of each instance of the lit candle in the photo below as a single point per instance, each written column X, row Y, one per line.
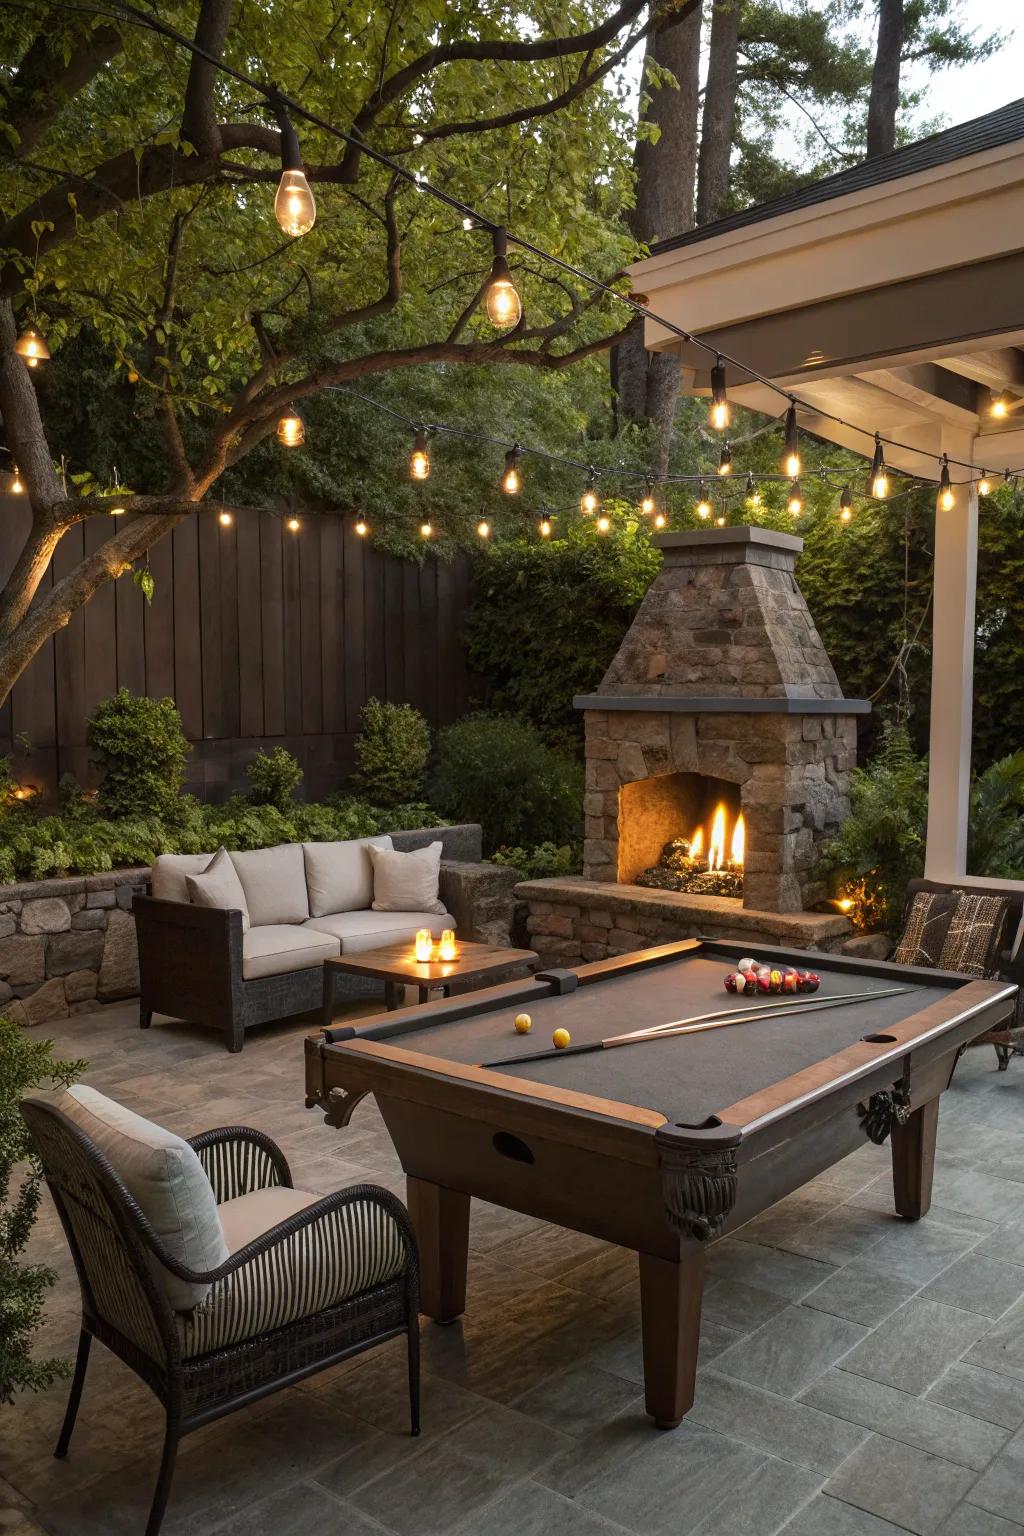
column 448, row 944
column 423, row 944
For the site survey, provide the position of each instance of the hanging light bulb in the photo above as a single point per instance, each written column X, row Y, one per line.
column 425, row 531
column 720, row 520
column 511, row 480
column 753, row 494
column 846, row 505
column 725, row 460
column 947, row 499
column 659, row 519
column 1000, row 405
column 293, row 525
column 590, row 500
column 604, row 522
column 795, row 504
column 31, row 346
column 118, row 510
column 703, row 505
column 720, row 410
column 294, row 205
column 879, row 477
column 544, row 528
column 16, row 484
column 291, row 429
column 791, row 457
column 483, row 528
column 984, row 484
column 419, row 459
column 647, row 504
column 361, row 526
column 468, row 224
column 501, row 300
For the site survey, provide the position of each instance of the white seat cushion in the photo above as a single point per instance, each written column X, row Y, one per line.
column 339, row 876
column 218, row 886
column 166, row 1178
column 274, row 948
column 370, row 930
column 248, row 1216
column 274, row 882
column 169, row 872
column 407, row 882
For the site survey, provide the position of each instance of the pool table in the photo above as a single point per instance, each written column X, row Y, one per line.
column 660, row 1146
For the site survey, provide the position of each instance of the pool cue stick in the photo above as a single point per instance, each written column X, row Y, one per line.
column 698, row 1025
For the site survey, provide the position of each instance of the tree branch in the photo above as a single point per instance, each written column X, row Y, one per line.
column 199, row 120
column 45, row 82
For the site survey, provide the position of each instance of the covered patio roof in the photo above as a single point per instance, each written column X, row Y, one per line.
column 890, row 295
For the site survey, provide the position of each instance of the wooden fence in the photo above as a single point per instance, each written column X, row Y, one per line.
column 260, row 636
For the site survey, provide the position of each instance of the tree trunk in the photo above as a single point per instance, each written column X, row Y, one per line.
column 884, row 100
column 647, row 384
column 718, row 123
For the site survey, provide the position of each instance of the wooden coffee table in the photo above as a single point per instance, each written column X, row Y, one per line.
column 395, row 966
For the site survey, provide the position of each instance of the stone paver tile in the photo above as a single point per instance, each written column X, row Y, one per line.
column 912, row 1348
column 1006, row 1242
column 762, row 1505
column 297, row 1511
column 528, row 1509
column 841, row 1235
column 578, row 1401
column 976, row 1192
column 977, row 1283
column 606, row 1448
column 673, row 1484
column 769, row 1269
column 1002, row 1348
column 981, row 1394
column 862, row 1293
column 969, row 1520
column 790, row 1351
column 900, row 1484
column 917, row 1251
column 783, row 1221
column 916, row 1421
column 831, row 1517
column 776, row 1425
column 738, row 1306
column 1000, row 1489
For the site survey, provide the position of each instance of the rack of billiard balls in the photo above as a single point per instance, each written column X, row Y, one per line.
column 751, row 977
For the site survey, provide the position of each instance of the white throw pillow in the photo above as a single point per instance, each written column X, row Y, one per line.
column 339, row 876
column 274, row 882
column 167, row 1179
column 407, row 882
column 219, row 886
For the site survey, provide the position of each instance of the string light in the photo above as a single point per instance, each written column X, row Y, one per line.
column 544, row 528
column 725, row 460
column 720, row 412
column 16, row 485
column 999, row 406
column 483, row 528
column 947, row 500
column 361, row 526
column 795, row 504
column 703, row 505
column 984, row 484
column 511, row 481
column 117, row 511
column 501, row 300
column 291, row 429
column 419, row 458
column 604, row 522
column 224, row 518
column 659, row 519
column 31, row 346
column 791, row 457
column 293, row 525
column 425, row 531
column 647, row 505
column 879, row 478
column 468, row 224
column 590, row 500
column 294, row 204
column 846, row 504
column 753, row 494
column 720, row 521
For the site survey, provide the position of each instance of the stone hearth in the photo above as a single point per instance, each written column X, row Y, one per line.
column 721, row 687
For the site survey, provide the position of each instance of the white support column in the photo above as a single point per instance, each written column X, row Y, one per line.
column 955, row 583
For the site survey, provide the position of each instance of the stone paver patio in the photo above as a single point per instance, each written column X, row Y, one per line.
column 862, row 1376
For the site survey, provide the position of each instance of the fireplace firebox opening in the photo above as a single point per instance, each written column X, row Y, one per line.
column 681, row 832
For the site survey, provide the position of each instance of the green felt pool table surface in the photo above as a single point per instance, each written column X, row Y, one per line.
column 686, row 1077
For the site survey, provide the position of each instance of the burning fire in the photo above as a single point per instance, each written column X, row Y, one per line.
column 716, row 845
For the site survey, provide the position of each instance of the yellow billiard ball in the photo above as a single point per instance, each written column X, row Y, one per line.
column 523, row 1023
column 560, row 1039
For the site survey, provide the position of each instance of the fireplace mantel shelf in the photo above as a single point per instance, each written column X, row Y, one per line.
column 680, row 704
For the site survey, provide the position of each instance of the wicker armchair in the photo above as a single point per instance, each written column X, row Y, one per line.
column 350, row 1259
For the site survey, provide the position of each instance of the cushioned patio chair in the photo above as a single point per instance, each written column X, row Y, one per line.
column 300, row 1281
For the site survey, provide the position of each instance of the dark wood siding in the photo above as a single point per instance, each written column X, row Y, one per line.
column 260, row 635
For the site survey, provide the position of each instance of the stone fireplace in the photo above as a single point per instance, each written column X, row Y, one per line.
column 720, row 708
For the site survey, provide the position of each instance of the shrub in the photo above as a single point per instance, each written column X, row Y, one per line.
column 140, row 747
column 499, row 772
column 392, row 750
column 545, row 862
column 24, row 1063
column 273, row 778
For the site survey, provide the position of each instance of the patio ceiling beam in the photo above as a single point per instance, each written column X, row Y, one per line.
column 939, row 393
column 996, row 368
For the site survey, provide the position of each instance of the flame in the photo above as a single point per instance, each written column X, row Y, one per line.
column 739, row 838
column 716, row 850
column 697, row 843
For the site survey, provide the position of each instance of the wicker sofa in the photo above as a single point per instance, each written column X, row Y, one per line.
column 307, row 902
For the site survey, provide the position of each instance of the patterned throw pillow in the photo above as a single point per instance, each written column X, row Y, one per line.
column 974, row 935
column 924, row 931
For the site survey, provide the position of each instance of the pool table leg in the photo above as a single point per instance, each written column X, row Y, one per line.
column 670, row 1297
column 440, row 1219
column 913, row 1161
